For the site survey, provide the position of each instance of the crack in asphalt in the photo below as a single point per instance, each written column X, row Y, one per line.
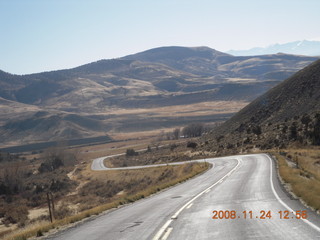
column 132, row 226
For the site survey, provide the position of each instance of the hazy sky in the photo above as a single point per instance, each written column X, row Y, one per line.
column 42, row 35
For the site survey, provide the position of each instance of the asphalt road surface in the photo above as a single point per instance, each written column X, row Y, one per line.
column 244, row 184
column 98, row 164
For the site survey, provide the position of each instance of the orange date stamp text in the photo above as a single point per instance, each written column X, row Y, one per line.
column 263, row 214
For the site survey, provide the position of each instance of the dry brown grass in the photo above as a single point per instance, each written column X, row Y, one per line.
column 121, row 136
column 108, row 186
column 300, row 168
column 175, row 151
column 197, row 109
column 136, row 184
column 91, row 152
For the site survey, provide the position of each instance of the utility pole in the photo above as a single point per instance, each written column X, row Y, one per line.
column 50, row 205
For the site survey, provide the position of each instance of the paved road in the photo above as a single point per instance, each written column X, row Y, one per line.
column 240, row 183
column 98, row 163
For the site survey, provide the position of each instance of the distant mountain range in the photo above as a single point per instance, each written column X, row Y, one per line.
column 288, row 113
column 307, row 48
column 103, row 96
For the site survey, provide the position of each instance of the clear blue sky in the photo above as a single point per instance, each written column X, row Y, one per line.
column 43, row 35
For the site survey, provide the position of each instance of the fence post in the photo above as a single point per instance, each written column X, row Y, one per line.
column 50, row 205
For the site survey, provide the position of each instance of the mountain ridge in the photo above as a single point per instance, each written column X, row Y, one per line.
column 183, row 77
column 304, row 47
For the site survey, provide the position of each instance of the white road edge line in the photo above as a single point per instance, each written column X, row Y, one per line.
column 100, row 160
column 166, row 235
column 175, row 216
column 190, row 205
column 285, row 205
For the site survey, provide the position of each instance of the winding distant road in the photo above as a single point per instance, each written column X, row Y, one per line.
column 98, row 164
column 239, row 183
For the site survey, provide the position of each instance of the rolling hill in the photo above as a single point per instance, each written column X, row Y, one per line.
column 110, row 95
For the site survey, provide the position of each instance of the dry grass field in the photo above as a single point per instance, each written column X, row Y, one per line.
column 300, row 169
column 197, row 109
column 107, row 190
column 119, row 123
column 90, row 192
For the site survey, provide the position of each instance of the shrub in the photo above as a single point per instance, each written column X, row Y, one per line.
column 293, row 131
column 176, row 133
column 55, row 158
column 173, row 146
column 219, row 138
column 149, row 149
column 62, row 211
column 256, row 130
column 39, row 233
column 192, row 145
column 14, row 213
column 193, row 130
column 11, row 179
column 131, row 152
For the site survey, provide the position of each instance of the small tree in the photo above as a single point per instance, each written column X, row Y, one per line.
column 11, row 178
column 306, row 119
column 193, row 130
column 256, row 130
column 293, row 131
column 169, row 135
column 131, row 152
column 315, row 134
column 192, row 145
column 56, row 157
column 176, row 133
column 149, row 149
column 173, row 146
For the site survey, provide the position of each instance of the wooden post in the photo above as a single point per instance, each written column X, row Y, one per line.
column 50, row 205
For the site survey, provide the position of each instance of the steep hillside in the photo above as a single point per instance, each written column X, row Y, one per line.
column 289, row 112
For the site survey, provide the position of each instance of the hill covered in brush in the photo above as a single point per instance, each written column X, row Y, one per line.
column 288, row 113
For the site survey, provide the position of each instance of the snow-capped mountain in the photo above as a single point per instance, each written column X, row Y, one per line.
column 305, row 47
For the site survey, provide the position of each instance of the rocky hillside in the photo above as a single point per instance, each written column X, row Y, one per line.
column 288, row 113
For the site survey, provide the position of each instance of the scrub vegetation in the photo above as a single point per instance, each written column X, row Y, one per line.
column 78, row 191
column 300, row 170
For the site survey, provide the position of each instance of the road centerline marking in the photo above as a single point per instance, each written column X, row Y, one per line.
column 175, row 216
column 162, row 229
column 167, row 233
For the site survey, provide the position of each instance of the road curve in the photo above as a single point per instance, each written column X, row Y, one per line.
column 98, row 164
column 239, row 183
